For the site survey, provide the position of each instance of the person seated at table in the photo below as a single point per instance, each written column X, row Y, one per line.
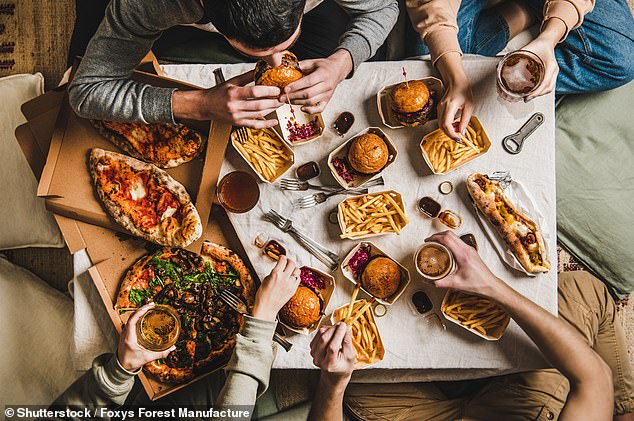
column 259, row 29
column 591, row 378
column 110, row 381
column 586, row 47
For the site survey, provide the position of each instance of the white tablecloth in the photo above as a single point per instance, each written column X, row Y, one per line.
column 411, row 342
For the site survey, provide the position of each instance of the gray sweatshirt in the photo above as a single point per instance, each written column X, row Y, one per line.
column 108, row 384
column 102, row 88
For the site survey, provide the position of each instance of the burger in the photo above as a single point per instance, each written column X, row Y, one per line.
column 368, row 153
column 381, row 277
column 412, row 103
column 303, row 309
column 281, row 76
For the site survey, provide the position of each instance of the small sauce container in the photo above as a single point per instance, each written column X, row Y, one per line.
column 159, row 328
column 307, row 171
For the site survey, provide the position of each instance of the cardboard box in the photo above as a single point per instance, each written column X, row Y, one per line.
column 113, row 253
column 66, row 183
column 385, row 109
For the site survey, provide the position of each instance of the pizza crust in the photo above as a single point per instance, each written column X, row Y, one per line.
column 216, row 251
column 486, row 204
column 191, row 227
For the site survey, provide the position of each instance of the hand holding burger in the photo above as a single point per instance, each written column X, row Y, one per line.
column 276, row 289
column 321, row 78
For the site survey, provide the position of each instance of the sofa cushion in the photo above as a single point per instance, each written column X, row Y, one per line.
column 24, row 221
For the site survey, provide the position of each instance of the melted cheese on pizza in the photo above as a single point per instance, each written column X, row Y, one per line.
column 140, row 196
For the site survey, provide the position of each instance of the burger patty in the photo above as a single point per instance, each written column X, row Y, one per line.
column 417, row 116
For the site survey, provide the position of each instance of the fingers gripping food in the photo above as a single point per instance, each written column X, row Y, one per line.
column 365, row 333
column 368, row 153
column 521, row 233
column 412, row 103
column 445, row 154
column 381, row 277
column 303, row 309
column 370, row 214
column 144, row 199
column 281, row 76
column 190, row 283
column 164, row 145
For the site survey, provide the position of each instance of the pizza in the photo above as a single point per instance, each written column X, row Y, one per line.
column 520, row 232
column 191, row 283
column 144, row 199
column 164, row 145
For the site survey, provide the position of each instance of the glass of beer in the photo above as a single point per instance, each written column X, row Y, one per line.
column 238, row 192
column 434, row 261
column 158, row 328
column 519, row 74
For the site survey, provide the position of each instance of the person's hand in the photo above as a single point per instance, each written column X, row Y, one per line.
column 472, row 275
column 276, row 289
column 232, row 102
column 131, row 355
column 322, row 76
column 457, row 98
column 544, row 47
column 333, row 353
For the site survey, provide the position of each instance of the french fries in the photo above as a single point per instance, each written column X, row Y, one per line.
column 445, row 154
column 266, row 153
column 365, row 334
column 372, row 214
column 476, row 314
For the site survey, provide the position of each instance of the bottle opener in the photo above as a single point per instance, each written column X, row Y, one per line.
column 513, row 143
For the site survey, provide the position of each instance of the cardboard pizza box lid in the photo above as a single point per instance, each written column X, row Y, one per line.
column 66, row 181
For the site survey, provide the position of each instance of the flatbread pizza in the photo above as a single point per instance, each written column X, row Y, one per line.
column 521, row 233
column 191, row 284
column 144, row 199
column 161, row 144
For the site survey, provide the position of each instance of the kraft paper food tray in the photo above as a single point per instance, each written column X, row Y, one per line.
column 325, row 294
column 283, row 115
column 475, row 123
column 281, row 171
column 342, row 225
column 111, row 253
column 492, row 336
column 66, row 182
column 383, row 101
column 341, row 152
column 375, row 251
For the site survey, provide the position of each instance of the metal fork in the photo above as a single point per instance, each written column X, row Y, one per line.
column 317, row 198
column 240, row 133
column 324, row 255
column 238, row 305
column 298, row 185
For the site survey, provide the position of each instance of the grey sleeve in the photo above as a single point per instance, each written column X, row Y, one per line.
column 106, row 384
column 249, row 369
column 371, row 23
column 102, row 88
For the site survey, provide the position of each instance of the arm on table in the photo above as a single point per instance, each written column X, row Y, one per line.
column 112, row 375
column 102, row 88
column 591, row 392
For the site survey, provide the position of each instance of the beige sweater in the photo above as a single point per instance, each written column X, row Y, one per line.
column 436, row 20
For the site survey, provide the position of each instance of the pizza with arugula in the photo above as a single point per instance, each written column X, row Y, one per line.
column 191, row 283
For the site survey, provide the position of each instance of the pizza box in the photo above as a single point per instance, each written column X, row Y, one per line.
column 66, row 183
column 375, row 252
column 111, row 253
column 342, row 152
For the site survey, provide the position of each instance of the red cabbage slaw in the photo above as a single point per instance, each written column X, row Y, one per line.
column 344, row 170
column 312, row 279
column 301, row 131
column 359, row 260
